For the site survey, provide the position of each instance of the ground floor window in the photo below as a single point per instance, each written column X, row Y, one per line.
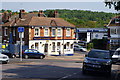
column 32, row 46
column 53, row 46
column 71, row 46
column 36, row 46
column 68, row 45
column 58, row 46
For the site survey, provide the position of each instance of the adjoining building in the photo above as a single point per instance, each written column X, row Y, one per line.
column 87, row 34
column 49, row 35
column 114, row 32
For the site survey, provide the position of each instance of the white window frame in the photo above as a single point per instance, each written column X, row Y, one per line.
column 14, row 32
column 52, row 32
column 58, row 35
column 38, row 31
column 68, row 35
column 47, row 32
column 6, row 34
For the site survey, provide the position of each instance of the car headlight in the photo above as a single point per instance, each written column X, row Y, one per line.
column 4, row 57
column 107, row 63
column 85, row 60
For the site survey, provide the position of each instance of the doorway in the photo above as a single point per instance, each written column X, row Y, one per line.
column 46, row 49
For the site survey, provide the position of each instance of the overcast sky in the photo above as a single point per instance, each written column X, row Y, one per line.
column 52, row 0
column 30, row 5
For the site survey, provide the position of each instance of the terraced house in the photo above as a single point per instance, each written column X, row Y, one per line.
column 114, row 32
column 49, row 35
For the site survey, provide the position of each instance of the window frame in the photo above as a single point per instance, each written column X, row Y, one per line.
column 68, row 35
column 14, row 32
column 38, row 32
column 6, row 29
column 52, row 32
column 59, row 35
column 47, row 32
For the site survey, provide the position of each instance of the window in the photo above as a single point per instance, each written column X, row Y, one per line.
column 58, row 46
column 36, row 46
column 68, row 45
column 37, row 31
column 113, row 31
column 59, row 32
column 14, row 32
column 6, row 31
column 46, row 32
column 71, row 46
column 53, row 46
column 53, row 32
column 68, row 32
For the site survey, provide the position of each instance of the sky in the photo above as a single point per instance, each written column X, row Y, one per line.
column 52, row 0
column 30, row 5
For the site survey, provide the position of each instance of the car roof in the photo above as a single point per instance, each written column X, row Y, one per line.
column 100, row 50
column 118, row 49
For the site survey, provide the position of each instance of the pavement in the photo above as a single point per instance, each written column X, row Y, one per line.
column 53, row 68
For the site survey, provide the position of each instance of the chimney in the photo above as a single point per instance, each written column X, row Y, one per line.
column 5, row 17
column 21, row 12
column 56, row 14
column 41, row 14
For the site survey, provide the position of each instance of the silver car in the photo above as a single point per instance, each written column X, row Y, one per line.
column 4, row 58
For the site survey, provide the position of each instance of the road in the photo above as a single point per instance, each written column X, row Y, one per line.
column 58, row 68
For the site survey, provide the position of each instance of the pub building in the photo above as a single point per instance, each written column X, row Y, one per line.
column 48, row 35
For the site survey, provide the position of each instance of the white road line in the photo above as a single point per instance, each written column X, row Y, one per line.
column 68, row 76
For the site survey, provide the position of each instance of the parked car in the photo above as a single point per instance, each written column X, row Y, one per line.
column 82, row 43
column 4, row 58
column 79, row 48
column 31, row 53
column 116, row 56
column 8, row 53
column 97, row 60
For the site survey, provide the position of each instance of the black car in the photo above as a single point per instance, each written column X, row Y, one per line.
column 31, row 53
column 97, row 60
column 8, row 53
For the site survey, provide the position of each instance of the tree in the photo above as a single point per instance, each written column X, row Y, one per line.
column 115, row 3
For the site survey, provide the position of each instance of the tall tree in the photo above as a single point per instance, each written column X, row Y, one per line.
column 115, row 3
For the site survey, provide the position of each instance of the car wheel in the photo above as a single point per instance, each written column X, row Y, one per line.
column 5, row 62
column 41, row 57
column 26, row 56
column 83, row 70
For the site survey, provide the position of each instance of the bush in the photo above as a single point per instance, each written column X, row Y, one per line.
column 90, row 46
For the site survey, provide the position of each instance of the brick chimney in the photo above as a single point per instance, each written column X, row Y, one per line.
column 5, row 17
column 56, row 14
column 22, row 11
column 41, row 14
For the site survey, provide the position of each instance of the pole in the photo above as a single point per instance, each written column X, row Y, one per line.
column 63, row 40
column 21, row 47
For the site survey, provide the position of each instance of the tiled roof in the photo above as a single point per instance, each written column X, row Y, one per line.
column 32, row 19
column 45, row 21
column 113, row 21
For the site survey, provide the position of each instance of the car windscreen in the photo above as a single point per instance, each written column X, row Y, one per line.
column 117, row 53
column 99, row 54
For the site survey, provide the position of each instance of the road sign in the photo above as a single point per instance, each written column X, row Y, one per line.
column 20, row 29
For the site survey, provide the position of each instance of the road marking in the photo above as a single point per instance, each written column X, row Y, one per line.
column 68, row 76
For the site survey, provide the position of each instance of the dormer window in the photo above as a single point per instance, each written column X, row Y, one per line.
column 117, row 20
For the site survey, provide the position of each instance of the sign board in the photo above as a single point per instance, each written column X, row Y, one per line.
column 20, row 29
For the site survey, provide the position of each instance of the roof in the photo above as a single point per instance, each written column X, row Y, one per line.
column 115, row 21
column 91, row 30
column 32, row 19
column 46, row 21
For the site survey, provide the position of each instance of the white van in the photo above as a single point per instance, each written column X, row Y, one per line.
column 116, row 56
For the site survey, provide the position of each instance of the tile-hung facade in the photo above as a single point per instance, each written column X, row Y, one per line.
column 49, row 35
column 114, row 32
